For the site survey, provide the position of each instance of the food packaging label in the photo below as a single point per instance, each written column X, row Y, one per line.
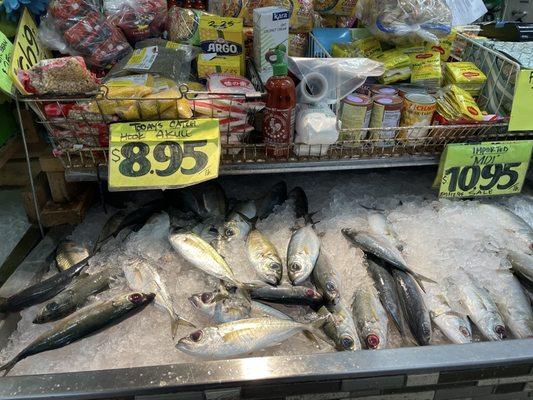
column 142, row 58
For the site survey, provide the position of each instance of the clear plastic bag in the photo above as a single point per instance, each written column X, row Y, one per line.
column 76, row 27
column 138, row 19
column 183, row 25
column 328, row 80
column 406, row 21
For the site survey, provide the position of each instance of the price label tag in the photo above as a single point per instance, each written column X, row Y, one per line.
column 163, row 154
column 27, row 49
column 483, row 169
column 521, row 113
column 6, row 48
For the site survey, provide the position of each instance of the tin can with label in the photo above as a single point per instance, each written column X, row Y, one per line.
column 417, row 114
column 356, row 110
column 378, row 90
column 386, row 113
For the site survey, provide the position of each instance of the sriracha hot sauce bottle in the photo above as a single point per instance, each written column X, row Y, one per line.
column 278, row 122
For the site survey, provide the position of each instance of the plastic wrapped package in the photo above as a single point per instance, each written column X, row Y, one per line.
column 406, row 21
column 301, row 13
column 328, row 80
column 78, row 28
column 336, row 7
column 67, row 75
column 236, row 9
column 183, row 25
column 76, row 134
column 138, row 19
column 171, row 63
column 298, row 44
column 316, row 129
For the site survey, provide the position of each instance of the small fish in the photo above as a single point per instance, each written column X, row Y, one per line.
column 513, row 304
column 522, row 264
column 144, row 277
column 264, row 257
column 237, row 224
column 413, row 307
column 110, row 229
column 221, row 306
column 41, row 291
column 83, row 323
column 302, row 253
column 276, row 196
column 287, row 294
column 388, row 294
column 473, row 300
column 203, row 256
column 299, row 200
column 371, row 319
column 70, row 253
column 326, row 279
column 243, row 337
column 453, row 325
column 341, row 327
column 74, row 296
column 383, row 249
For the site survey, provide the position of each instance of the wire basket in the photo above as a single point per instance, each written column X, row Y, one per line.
column 78, row 127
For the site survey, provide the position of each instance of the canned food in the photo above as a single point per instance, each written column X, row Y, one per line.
column 378, row 90
column 356, row 110
column 386, row 113
column 418, row 110
column 406, row 88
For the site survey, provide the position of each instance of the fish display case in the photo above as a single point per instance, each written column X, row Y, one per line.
column 137, row 357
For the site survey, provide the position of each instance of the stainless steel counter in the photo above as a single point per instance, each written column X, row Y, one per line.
column 455, row 370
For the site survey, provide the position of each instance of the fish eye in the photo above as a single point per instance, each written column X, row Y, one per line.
column 206, row 297
column 464, row 331
column 330, row 287
column 310, row 292
column 372, row 341
column 229, row 232
column 347, row 343
column 500, row 331
column 135, row 298
column 295, row 267
column 196, row 336
column 276, row 267
column 52, row 306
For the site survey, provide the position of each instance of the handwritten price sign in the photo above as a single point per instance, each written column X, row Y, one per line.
column 27, row 50
column 484, row 169
column 163, row 154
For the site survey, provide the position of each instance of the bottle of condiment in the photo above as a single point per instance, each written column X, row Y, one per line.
column 279, row 116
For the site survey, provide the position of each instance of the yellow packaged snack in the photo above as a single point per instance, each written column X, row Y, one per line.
column 426, row 69
column 341, row 50
column 335, row 7
column 412, row 49
column 445, row 46
column 221, row 65
column 457, row 104
column 465, row 75
column 300, row 11
column 133, row 86
column 397, row 66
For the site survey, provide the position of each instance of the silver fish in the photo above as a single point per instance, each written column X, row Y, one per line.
column 326, row 279
column 302, row 254
column 511, row 221
column 371, row 319
column 262, row 309
column 82, row 323
column 472, row 300
column 453, row 325
column 203, row 256
column 243, row 337
column 237, row 225
column 264, row 257
column 521, row 263
column 145, row 278
column 341, row 327
column 513, row 304
column 379, row 225
column 382, row 249
column 221, row 306
column 70, row 253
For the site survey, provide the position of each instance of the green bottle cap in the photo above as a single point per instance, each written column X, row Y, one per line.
column 279, row 67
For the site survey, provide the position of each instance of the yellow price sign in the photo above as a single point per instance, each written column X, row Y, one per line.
column 163, row 154
column 27, row 49
column 483, row 169
column 521, row 112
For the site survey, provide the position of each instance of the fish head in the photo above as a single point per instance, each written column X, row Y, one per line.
column 373, row 341
column 424, row 332
column 346, row 342
column 48, row 313
column 312, row 295
column 236, row 228
column 206, row 302
column 299, row 269
column 139, row 299
column 331, row 292
column 274, row 273
column 200, row 342
column 494, row 327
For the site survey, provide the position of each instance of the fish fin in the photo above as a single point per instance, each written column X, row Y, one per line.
column 251, row 221
column 9, row 365
column 175, row 323
column 312, row 338
column 314, row 327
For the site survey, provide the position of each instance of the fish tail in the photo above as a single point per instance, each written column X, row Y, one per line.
column 313, row 329
column 176, row 321
column 4, row 369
